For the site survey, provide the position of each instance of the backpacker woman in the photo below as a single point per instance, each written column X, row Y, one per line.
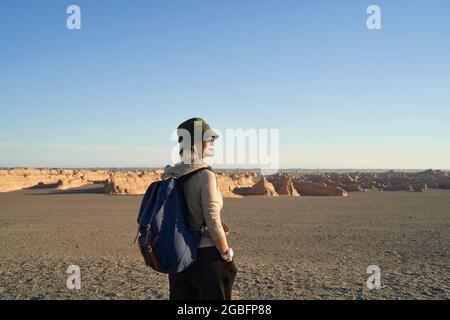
column 212, row 275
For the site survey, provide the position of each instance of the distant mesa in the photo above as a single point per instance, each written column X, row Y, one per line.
column 308, row 188
column 232, row 183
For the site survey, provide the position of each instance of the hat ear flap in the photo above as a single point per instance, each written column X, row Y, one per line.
column 195, row 153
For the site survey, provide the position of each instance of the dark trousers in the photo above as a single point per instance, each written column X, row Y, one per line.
column 208, row 278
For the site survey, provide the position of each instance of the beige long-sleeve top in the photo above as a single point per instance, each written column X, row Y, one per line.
column 203, row 199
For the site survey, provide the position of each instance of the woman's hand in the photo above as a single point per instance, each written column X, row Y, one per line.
column 228, row 256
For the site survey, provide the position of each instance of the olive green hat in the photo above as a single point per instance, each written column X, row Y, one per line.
column 196, row 125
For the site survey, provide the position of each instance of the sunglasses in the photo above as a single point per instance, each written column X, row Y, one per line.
column 212, row 139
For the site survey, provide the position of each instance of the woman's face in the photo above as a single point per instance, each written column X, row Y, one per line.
column 208, row 148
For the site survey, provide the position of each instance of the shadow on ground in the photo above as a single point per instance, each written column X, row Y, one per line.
column 88, row 189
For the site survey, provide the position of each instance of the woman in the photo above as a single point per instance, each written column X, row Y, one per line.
column 213, row 273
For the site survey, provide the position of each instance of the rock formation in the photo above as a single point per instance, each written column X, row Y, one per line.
column 263, row 188
column 130, row 183
column 283, row 185
column 233, row 184
column 21, row 178
column 307, row 188
column 227, row 186
column 71, row 183
column 399, row 187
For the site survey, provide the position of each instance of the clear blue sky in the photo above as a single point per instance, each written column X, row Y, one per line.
column 111, row 93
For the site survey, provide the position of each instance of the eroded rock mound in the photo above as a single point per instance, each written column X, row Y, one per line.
column 130, row 183
column 71, row 183
column 399, row 187
column 263, row 188
column 235, row 185
column 307, row 188
column 283, row 185
column 227, row 186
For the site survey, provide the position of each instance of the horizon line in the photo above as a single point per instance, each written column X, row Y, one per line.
column 219, row 168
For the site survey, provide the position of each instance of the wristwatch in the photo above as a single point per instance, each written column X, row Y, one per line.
column 228, row 256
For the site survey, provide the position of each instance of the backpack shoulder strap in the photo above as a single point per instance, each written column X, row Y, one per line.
column 148, row 198
column 185, row 177
column 190, row 174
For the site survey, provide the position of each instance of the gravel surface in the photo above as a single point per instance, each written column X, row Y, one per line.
column 285, row 247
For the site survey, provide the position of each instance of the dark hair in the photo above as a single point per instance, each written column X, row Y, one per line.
column 181, row 150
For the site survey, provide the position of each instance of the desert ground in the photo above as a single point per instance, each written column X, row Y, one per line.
column 285, row 247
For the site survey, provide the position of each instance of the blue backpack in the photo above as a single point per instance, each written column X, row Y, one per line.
column 164, row 238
